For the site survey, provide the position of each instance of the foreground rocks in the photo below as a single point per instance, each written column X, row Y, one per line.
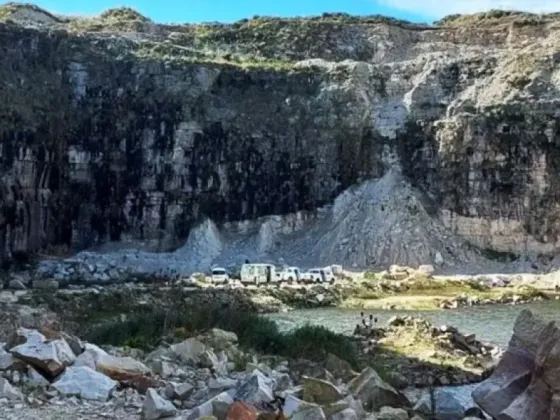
column 525, row 384
column 192, row 379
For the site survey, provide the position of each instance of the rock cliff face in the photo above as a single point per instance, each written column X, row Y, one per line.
column 118, row 129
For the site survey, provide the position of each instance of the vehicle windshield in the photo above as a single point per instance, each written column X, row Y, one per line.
column 218, row 272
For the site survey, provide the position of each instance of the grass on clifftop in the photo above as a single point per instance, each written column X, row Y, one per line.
column 146, row 331
column 496, row 17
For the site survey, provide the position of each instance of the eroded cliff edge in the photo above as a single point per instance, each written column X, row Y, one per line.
column 115, row 128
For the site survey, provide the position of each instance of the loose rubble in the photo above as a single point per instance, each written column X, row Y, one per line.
column 191, row 379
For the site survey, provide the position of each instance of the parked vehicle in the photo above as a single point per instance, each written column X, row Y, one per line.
column 291, row 274
column 259, row 274
column 219, row 276
column 319, row 275
column 313, row 276
column 337, row 270
column 328, row 275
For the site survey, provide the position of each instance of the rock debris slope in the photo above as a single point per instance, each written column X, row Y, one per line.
column 117, row 130
column 372, row 224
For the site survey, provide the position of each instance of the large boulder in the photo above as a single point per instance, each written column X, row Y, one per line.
column 175, row 391
column 447, row 406
column 218, row 340
column 217, row 407
column 163, row 368
column 121, row 368
column 117, row 368
column 23, row 336
column 256, row 390
column 526, row 382
column 188, row 351
column 319, row 391
column 90, row 356
column 376, row 393
column 9, row 362
column 85, row 383
column 155, row 407
column 241, row 411
column 74, row 342
column 339, row 368
column 51, row 357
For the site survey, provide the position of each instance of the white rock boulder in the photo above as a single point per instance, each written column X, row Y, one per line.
column 155, row 407
column 51, row 357
column 85, row 383
column 374, row 392
column 188, row 351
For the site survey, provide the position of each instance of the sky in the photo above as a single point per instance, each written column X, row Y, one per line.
column 182, row 11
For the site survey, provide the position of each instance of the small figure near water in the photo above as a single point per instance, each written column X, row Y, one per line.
column 365, row 325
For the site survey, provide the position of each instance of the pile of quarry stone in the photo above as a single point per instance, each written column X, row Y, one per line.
column 398, row 272
column 49, row 374
column 473, row 300
column 81, row 270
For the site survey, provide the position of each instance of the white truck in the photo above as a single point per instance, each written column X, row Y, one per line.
column 291, row 275
column 259, row 274
column 319, row 275
column 219, row 276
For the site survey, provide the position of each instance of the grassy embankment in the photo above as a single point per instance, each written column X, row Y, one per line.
column 427, row 294
column 148, row 330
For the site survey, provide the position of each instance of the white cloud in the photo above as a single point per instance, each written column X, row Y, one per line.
column 440, row 8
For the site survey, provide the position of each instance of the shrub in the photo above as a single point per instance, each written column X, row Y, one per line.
column 370, row 275
column 146, row 330
column 316, row 342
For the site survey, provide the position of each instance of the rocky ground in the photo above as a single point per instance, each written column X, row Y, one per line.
column 408, row 288
column 53, row 375
column 416, row 353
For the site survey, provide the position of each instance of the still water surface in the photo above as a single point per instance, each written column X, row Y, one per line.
column 492, row 323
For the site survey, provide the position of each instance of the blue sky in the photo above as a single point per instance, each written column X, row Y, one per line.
column 180, row 11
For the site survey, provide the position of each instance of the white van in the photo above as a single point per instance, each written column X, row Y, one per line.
column 329, row 275
column 291, row 275
column 319, row 275
column 219, row 276
column 259, row 274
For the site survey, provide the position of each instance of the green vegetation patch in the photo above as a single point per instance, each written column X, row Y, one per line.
column 122, row 19
column 495, row 16
column 148, row 330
